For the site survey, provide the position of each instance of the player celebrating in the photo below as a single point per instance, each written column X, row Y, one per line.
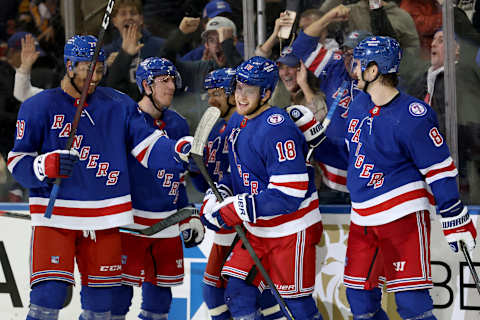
column 397, row 159
column 156, row 263
column 275, row 198
column 219, row 85
column 95, row 199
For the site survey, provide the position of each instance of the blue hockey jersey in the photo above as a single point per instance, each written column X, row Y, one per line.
column 397, row 159
column 329, row 67
column 158, row 195
column 97, row 195
column 267, row 160
column 215, row 155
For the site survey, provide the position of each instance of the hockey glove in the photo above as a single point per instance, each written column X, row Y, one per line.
column 304, row 119
column 458, row 226
column 182, row 150
column 236, row 210
column 209, row 203
column 55, row 164
column 192, row 231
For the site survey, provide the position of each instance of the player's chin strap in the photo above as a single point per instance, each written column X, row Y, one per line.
column 150, row 96
column 72, row 82
column 368, row 82
column 230, row 106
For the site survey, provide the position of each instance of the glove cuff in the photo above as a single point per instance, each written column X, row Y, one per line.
column 39, row 166
column 245, row 207
column 457, row 221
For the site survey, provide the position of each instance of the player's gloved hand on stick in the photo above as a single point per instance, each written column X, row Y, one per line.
column 458, row 226
column 306, row 122
column 55, row 164
column 233, row 211
column 192, row 230
column 182, row 150
column 209, row 203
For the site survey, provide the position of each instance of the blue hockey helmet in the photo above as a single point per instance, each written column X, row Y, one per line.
column 221, row 78
column 258, row 71
column 81, row 48
column 384, row 51
column 153, row 67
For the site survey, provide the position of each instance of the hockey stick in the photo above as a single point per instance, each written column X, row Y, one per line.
column 14, row 215
column 175, row 218
column 470, row 265
column 329, row 116
column 157, row 227
column 201, row 135
column 80, row 107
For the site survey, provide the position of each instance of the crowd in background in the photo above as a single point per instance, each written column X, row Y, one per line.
column 199, row 36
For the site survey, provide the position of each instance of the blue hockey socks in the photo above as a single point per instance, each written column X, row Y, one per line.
column 215, row 301
column 366, row 304
column 96, row 303
column 303, row 308
column 121, row 301
column 46, row 300
column 414, row 305
column 241, row 299
column 155, row 302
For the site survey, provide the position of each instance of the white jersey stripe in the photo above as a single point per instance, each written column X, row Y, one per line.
column 281, row 178
column 289, row 191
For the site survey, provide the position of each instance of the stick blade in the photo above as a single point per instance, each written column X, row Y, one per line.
column 204, row 127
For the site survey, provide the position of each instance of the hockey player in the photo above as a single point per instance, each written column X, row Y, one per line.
column 399, row 168
column 332, row 67
column 219, row 85
column 156, row 263
column 272, row 195
column 95, row 199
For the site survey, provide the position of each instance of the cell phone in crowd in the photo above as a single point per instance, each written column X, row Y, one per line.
column 284, row 32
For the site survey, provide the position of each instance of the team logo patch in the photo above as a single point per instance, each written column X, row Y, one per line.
column 275, row 119
column 417, row 109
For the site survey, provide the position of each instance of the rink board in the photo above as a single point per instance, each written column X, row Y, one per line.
column 453, row 294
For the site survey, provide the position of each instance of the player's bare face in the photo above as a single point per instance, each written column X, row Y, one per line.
column 81, row 71
column 247, row 98
column 217, row 98
column 125, row 16
column 437, row 53
column 288, row 75
column 357, row 71
column 214, row 48
column 163, row 88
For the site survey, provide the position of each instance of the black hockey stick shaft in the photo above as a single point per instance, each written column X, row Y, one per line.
column 157, row 227
column 80, row 107
column 175, row 218
column 203, row 170
column 470, row 265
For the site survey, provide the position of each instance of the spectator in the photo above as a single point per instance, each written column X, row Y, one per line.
column 207, row 48
column 467, row 84
column 7, row 15
column 131, row 44
column 301, row 85
column 49, row 24
column 363, row 18
column 306, row 18
column 163, row 16
column 8, row 104
column 427, row 15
